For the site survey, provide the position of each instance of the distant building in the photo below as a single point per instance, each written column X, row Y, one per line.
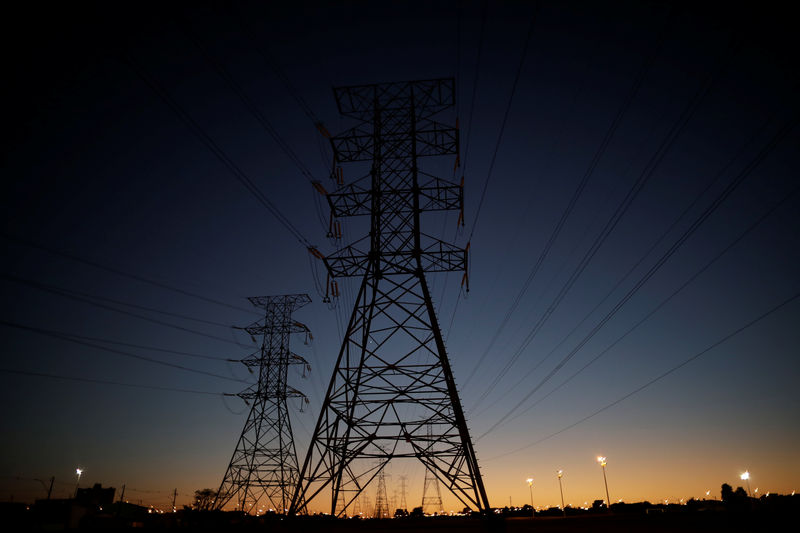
column 96, row 496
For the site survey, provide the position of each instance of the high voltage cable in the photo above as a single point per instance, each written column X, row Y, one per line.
column 752, row 165
column 648, row 171
column 663, row 302
column 741, row 149
column 633, row 91
column 57, row 335
column 475, row 83
column 212, row 146
column 114, row 301
column 142, row 347
column 250, row 105
column 119, row 272
column 500, row 135
column 660, row 376
column 75, row 297
column 273, row 65
column 110, row 382
column 505, row 118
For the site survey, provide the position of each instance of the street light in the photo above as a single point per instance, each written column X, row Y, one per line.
column 746, row 477
column 602, row 461
column 530, row 486
column 561, row 489
column 78, row 471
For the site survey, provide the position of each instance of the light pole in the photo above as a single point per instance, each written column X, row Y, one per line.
column 602, row 461
column 530, row 486
column 561, row 490
column 79, row 472
column 746, row 477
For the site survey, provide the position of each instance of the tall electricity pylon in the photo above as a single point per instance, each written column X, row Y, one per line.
column 392, row 378
column 265, row 460
column 431, row 495
column 381, row 501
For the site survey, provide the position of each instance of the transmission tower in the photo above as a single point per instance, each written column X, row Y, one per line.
column 392, row 378
column 265, row 461
column 403, row 504
column 381, row 503
column 431, row 496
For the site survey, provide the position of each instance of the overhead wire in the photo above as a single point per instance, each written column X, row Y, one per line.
column 250, row 36
column 470, row 125
column 57, row 335
column 664, row 302
column 70, row 295
column 661, row 376
column 110, row 382
column 647, row 172
column 500, row 134
column 696, row 224
column 119, row 272
column 215, row 149
column 492, row 161
column 601, row 150
column 717, row 176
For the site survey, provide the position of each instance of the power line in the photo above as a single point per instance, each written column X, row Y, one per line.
column 251, row 106
column 214, row 148
column 149, row 348
column 752, row 165
column 109, row 382
column 648, row 171
column 632, row 92
column 114, row 270
column 505, row 118
column 273, row 65
column 475, row 82
column 72, row 296
column 660, row 376
column 663, row 302
column 57, row 335
column 741, row 149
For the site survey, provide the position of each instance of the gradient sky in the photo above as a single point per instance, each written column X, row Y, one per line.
column 95, row 165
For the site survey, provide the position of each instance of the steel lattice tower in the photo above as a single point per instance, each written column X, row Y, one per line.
column 392, row 378
column 431, row 496
column 381, row 501
column 265, row 461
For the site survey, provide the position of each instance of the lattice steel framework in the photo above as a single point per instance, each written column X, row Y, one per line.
column 264, row 462
column 392, row 378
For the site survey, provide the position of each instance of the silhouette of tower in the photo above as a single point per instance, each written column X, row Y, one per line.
column 431, row 496
column 265, row 461
column 392, row 378
column 403, row 504
column 381, row 503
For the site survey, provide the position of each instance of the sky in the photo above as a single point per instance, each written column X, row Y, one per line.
column 673, row 276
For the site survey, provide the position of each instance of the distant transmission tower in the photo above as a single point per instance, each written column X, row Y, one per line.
column 265, row 460
column 381, row 503
column 392, row 377
column 403, row 504
column 431, row 496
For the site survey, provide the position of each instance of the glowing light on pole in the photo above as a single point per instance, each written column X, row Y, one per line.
column 602, row 461
column 561, row 489
column 746, row 477
column 78, row 471
column 530, row 486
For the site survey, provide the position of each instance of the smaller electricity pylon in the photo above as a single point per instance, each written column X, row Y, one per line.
column 265, row 460
column 381, row 501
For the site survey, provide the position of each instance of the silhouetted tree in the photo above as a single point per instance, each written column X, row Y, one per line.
column 417, row 512
column 204, row 498
column 726, row 493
